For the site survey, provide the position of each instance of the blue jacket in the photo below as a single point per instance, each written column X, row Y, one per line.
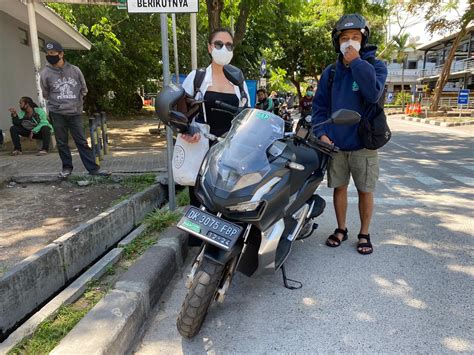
column 354, row 88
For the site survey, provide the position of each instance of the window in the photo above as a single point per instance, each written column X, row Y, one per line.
column 411, row 64
column 23, row 34
column 41, row 44
column 394, row 61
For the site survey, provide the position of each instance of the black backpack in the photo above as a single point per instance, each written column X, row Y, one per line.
column 198, row 79
column 373, row 129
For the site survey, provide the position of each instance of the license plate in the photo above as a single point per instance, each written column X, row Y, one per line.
column 212, row 229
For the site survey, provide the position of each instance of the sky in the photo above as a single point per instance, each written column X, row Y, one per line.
column 417, row 25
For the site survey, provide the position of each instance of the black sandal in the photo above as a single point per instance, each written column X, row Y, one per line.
column 368, row 244
column 336, row 240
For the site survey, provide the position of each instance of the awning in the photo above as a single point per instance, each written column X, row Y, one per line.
column 48, row 22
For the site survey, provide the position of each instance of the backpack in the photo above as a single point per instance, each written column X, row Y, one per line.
column 198, row 79
column 373, row 129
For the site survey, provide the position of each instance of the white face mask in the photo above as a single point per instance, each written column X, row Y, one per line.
column 221, row 56
column 345, row 45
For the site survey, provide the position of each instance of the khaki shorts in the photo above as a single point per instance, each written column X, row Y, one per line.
column 362, row 164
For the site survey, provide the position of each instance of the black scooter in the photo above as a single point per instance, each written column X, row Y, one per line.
column 258, row 194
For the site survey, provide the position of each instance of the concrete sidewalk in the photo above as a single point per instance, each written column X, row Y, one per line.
column 136, row 160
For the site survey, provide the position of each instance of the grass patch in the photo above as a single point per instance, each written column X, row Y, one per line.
column 50, row 332
column 139, row 182
column 156, row 222
column 182, row 198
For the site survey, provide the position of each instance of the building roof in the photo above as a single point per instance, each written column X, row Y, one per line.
column 439, row 43
column 48, row 22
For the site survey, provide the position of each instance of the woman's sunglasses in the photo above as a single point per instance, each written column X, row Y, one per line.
column 220, row 44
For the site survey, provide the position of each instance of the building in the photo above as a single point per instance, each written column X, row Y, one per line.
column 17, row 75
column 462, row 67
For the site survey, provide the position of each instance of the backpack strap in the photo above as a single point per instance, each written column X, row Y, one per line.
column 332, row 74
column 198, row 79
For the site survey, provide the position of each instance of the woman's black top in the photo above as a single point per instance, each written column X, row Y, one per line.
column 219, row 121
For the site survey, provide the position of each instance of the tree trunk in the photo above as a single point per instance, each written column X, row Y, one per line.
column 241, row 25
column 297, row 85
column 443, row 78
column 214, row 9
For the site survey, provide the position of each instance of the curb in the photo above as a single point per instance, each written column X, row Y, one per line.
column 34, row 280
column 69, row 295
column 437, row 123
column 112, row 326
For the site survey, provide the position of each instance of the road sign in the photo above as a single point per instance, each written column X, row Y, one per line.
column 463, row 97
column 263, row 83
column 163, row 6
column 263, row 67
column 390, row 97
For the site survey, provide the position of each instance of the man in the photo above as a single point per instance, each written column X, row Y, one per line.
column 264, row 102
column 64, row 87
column 358, row 81
column 306, row 102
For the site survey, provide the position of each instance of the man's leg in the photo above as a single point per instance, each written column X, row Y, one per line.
column 365, row 172
column 85, row 152
column 45, row 135
column 16, row 132
column 338, row 178
column 61, row 132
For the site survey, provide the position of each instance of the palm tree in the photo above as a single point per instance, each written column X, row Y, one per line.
column 402, row 48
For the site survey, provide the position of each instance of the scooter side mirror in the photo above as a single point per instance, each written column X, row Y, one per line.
column 234, row 74
column 345, row 117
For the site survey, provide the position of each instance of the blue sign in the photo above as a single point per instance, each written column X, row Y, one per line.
column 263, row 67
column 463, row 97
column 390, row 97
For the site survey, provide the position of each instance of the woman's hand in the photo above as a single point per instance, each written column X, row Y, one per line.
column 191, row 139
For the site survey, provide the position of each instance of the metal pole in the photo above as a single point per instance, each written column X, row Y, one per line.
column 166, row 81
column 35, row 50
column 175, row 47
column 193, row 41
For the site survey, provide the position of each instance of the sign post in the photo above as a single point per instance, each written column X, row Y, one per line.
column 164, row 7
column 263, row 71
column 463, row 99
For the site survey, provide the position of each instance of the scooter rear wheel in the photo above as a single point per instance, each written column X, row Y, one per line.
column 199, row 298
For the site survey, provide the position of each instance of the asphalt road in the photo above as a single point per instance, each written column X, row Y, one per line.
column 414, row 294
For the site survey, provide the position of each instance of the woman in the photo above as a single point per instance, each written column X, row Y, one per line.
column 214, row 87
column 30, row 122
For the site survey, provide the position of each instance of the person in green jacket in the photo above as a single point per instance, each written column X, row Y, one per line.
column 30, row 122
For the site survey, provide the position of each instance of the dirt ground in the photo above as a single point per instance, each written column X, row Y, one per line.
column 33, row 215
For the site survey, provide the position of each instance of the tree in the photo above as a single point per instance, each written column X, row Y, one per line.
column 402, row 47
column 435, row 15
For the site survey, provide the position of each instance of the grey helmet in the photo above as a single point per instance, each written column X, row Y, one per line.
column 165, row 108
column 350, row 22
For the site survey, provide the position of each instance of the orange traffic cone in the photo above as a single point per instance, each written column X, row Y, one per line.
column 407, row 109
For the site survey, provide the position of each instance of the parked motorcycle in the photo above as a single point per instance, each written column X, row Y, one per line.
column 286, row 115
column 257, row 189
column 304, row 121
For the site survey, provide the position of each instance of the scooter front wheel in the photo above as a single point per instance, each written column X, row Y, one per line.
column 199, row 298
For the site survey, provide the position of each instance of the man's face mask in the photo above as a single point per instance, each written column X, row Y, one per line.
column 23, row 107
column 53, row 59
column 309, row 93
column 351, row 42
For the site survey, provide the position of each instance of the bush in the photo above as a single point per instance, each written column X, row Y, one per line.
column 399, row 98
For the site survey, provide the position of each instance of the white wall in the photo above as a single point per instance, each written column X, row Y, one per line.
column 17, row 77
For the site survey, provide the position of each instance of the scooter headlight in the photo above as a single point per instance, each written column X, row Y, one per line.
column 245, row 206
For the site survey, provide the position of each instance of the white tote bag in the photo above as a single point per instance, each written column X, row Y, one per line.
column 187, row 157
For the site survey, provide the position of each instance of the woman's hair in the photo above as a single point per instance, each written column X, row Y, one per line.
column 213, row 34
column 29, row 101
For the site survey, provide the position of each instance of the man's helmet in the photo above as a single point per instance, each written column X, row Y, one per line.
column 350, row 22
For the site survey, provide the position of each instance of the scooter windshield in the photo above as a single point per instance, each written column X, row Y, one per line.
column 240, row 160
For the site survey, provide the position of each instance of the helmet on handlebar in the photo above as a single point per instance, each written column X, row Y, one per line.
column 165, row 107
column 350, row 22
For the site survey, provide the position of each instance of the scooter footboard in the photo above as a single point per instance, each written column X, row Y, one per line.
column 268, row 248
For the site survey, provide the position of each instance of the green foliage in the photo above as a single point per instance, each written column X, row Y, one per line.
column 402, row 97
column 160, row 219
column 50, row 332
column 139, row 182
column 182, row 198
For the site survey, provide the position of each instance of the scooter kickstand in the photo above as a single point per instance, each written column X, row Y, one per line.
column 285, row 281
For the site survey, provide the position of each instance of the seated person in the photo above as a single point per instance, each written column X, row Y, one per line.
column 30, row 122
column 264, row 102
